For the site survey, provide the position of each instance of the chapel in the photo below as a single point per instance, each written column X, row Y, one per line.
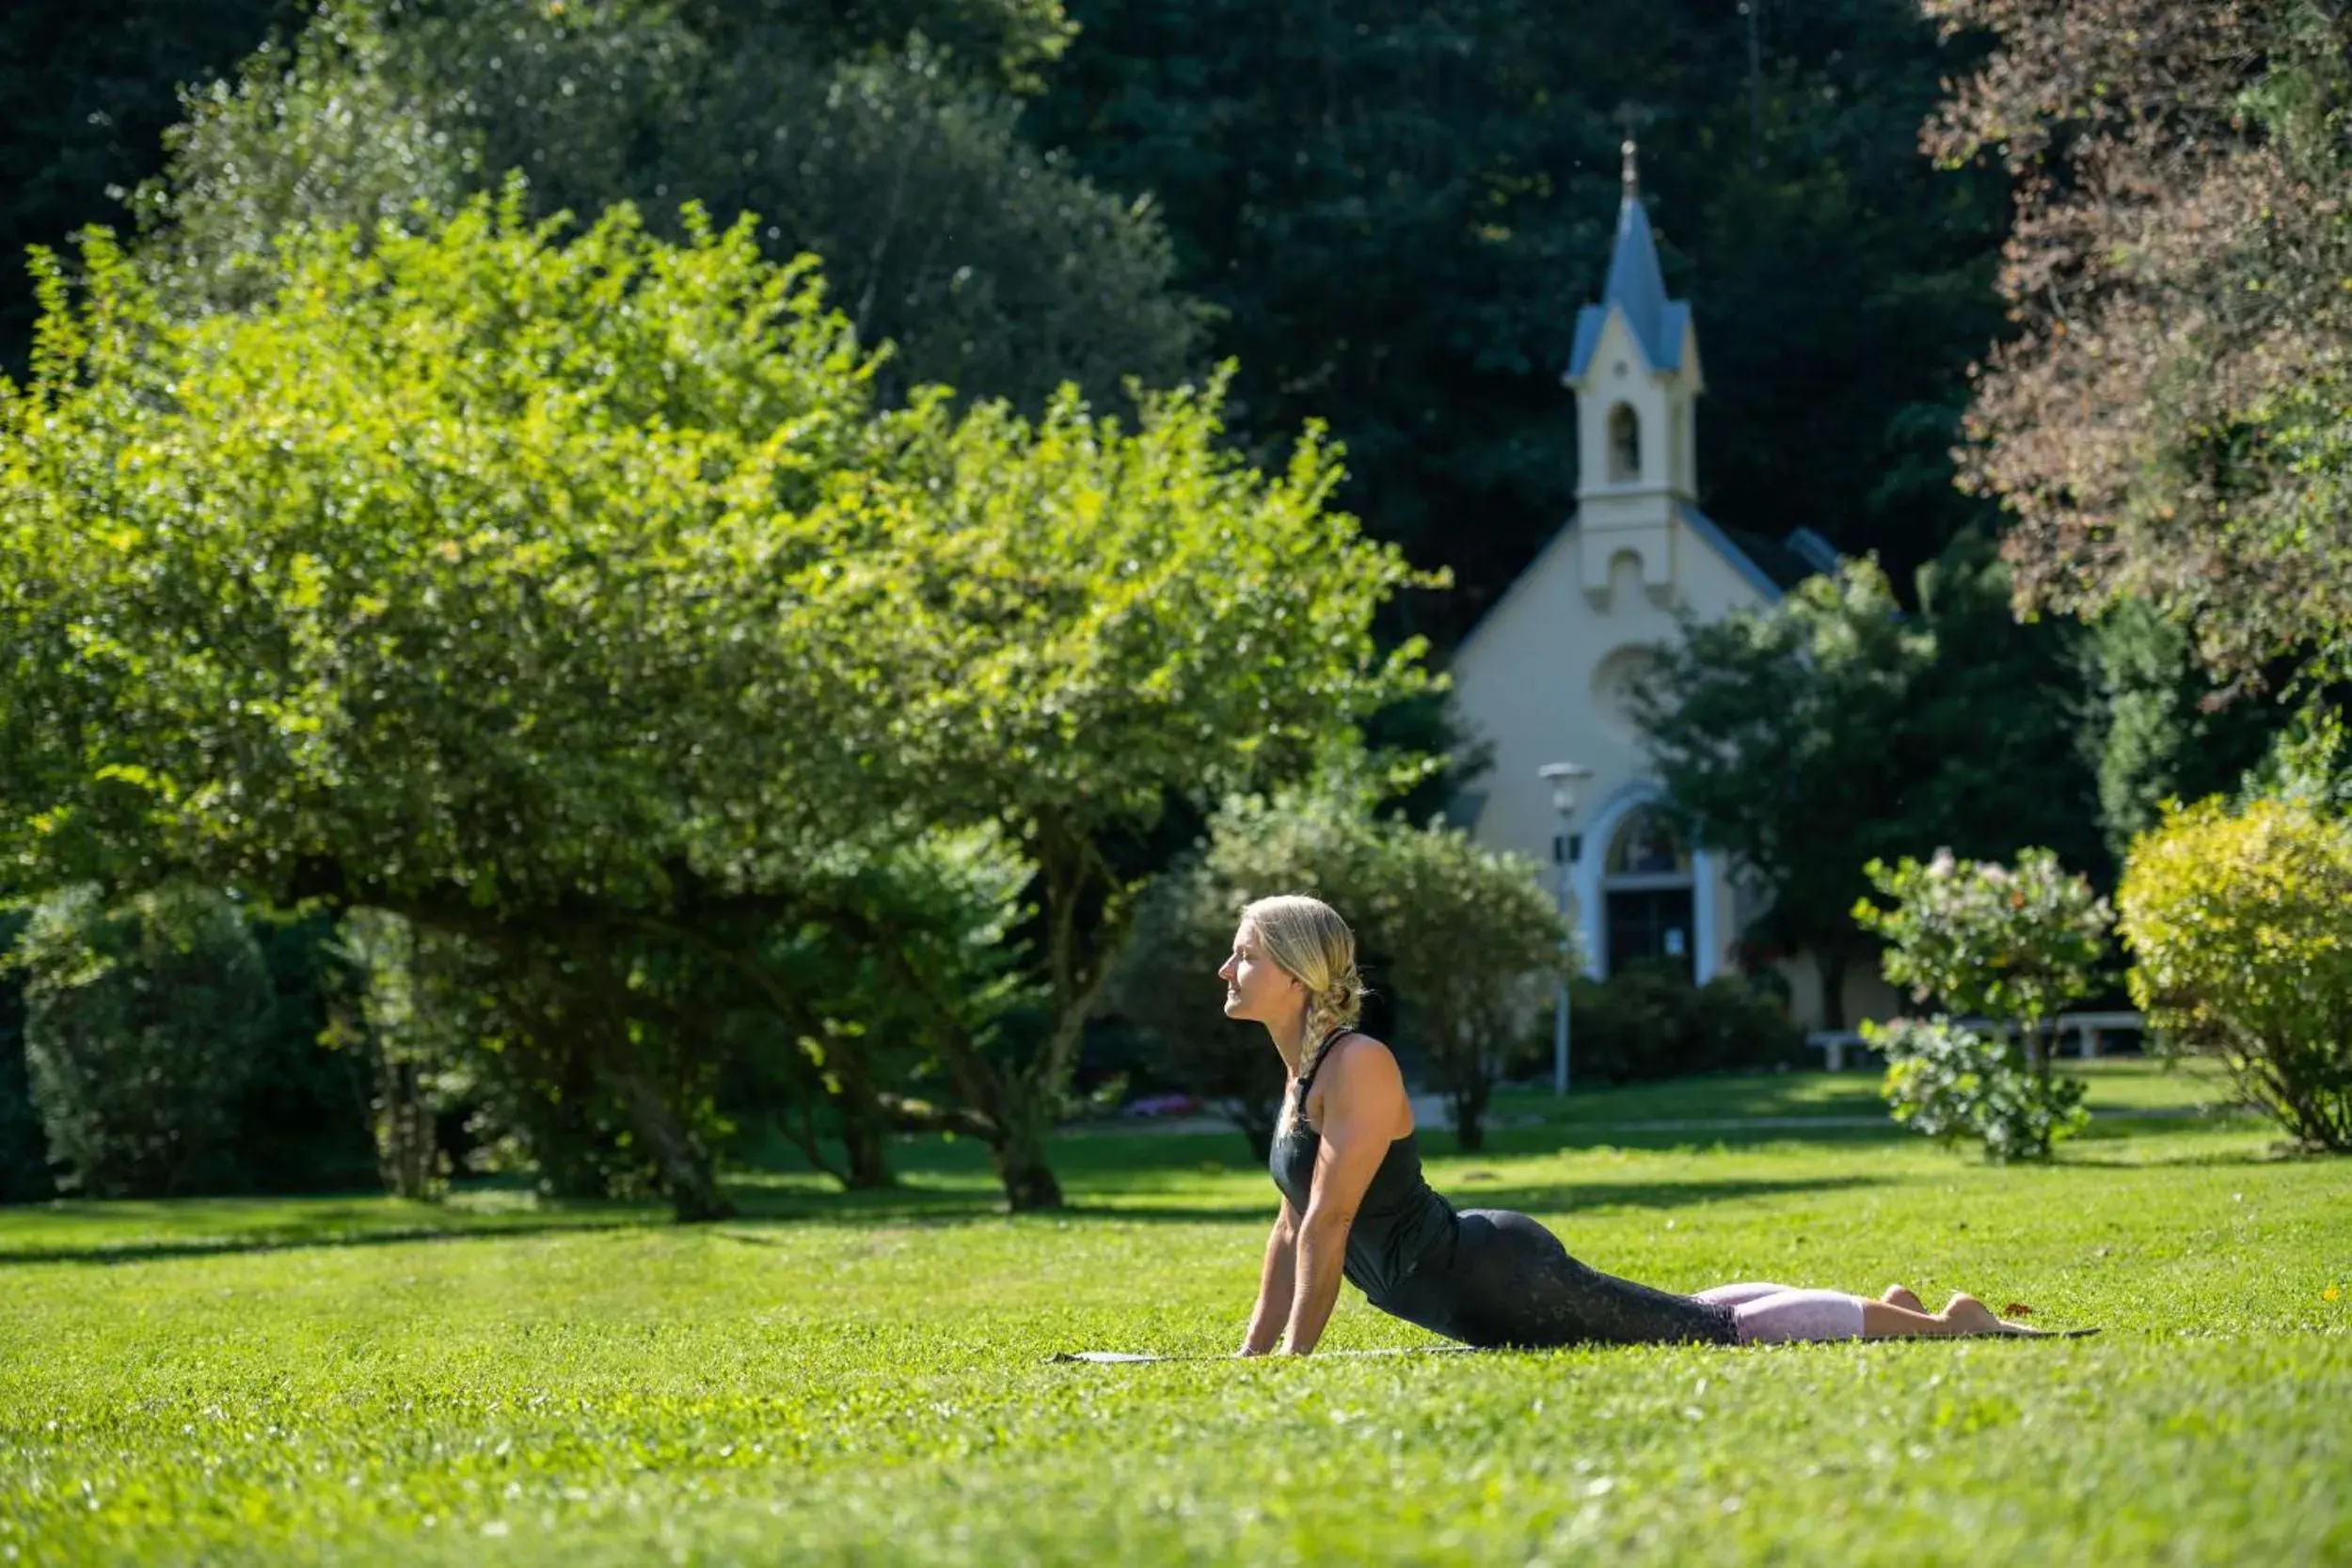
column 1543, row 678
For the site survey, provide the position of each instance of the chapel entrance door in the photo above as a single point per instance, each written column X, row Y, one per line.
column 1651, row 926
column 1649, row 896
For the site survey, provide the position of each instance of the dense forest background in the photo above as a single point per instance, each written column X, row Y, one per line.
column 1390, row 217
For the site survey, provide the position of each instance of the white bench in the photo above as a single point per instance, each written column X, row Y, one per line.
column 2087, row 1030
column 1834, row 1043
column 2091, row 1029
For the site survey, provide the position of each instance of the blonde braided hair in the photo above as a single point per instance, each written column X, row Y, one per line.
column 1308, row 940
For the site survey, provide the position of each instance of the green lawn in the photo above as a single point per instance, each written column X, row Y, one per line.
column 868, row 1379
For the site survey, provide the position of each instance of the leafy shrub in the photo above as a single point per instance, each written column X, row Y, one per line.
column 1953, row 1083
column 2013, row 945
column 1475, row 949
column 1315, row 841
column 2239, row 922
column 1465, row 939
column 1166, row 982
column 1649, row 1022
column 140, row 1026
column 294, row 1126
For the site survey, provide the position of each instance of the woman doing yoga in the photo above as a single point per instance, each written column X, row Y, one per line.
column 1355, row 1203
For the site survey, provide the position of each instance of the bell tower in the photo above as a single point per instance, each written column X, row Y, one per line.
column 1635, row 373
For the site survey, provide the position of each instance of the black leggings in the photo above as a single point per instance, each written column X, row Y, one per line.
column 1507, row 1281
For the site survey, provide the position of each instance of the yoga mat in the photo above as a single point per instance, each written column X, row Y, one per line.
column 1120, row 1358
column 1123, row 1357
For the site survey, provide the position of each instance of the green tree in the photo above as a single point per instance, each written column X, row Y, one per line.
column 1110, row 627
column 1998, row 721
column 1833, row 728
column 1780, row 736
column 2165, row 728
column 569, row 597
column 992, row 267
column 2169, row 421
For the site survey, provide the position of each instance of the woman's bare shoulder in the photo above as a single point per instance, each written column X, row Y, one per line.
column 1364, row 1062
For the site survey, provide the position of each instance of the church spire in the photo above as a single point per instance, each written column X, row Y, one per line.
column 1635, row 287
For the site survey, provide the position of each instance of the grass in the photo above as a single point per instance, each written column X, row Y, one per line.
column 864, row 1378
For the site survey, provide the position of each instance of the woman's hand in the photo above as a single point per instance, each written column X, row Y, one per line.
column 1275, row 1285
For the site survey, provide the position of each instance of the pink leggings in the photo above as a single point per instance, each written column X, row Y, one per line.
column 1773, row 1314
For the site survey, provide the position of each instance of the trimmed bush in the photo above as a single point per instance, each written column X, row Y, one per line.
column 142, row 1018
column 2239, row 922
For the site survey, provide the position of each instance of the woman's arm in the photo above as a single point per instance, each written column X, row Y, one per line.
column 1274, row 1284
column 1364, row 1104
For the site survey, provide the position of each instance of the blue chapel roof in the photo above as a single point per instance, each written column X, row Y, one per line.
column 1636, row 287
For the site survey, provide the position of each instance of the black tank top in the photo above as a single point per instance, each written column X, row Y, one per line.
column 1401, row 1219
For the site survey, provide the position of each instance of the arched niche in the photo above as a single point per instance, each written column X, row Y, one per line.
column 1625, row 444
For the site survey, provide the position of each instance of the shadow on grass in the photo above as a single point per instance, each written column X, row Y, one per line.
column 2274, row 1154
column 1743, row 1095
column 1590, row 1197
column 147, row 1250
column 1697, row 1135
column 931, row 1207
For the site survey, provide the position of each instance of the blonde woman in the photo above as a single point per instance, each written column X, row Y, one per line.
column 1355, row 1203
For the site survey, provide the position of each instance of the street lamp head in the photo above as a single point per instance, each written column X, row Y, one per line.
column 1563, row 777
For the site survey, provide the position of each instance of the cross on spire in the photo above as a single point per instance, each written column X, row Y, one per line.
column 1630, row 175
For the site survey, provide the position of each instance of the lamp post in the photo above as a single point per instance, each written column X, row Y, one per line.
column 1563, row 777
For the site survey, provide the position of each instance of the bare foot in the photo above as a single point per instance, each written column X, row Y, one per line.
column 1965, row 1314
column 1898, row 1295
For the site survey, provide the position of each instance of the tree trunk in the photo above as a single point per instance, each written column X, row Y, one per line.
column 869, row 1167
column 1008, row 1109
column 1469, row 1104
column 688, row 1175
column 404, row 1129
column 865, row 1123
column 1030, row 1185
column 1018, row 1150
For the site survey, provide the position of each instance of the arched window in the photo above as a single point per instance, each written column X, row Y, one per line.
column 1649, row 894
column 1625, row 444
column 1645, row 845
